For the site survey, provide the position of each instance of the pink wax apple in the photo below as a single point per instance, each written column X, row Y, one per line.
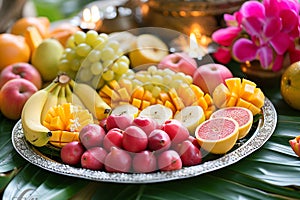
column 21, row 70
column 209, row 76
column 118, row 160
column 169, row 160
column 93, row 158
column 176, row 131
column 190, row 155
column 71, row 153
column 134, row 139
column 179, row 62
column 13, row 96
column 118, row 121
column 147, row 124
column 113, row 138
column 144, row 162
column 91, row 135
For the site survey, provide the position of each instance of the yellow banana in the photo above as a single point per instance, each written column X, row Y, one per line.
column 34, row 131
column 91, row 99
column 51, row 101
column 73, row 98
column 62, row 95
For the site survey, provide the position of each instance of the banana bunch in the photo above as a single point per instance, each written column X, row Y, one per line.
column 62, row 90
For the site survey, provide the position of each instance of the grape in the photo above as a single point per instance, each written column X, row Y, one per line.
column 85, row 75
column 94, row 56
column 64, row 65
column 83, row 50
column 107, row 54
column 79, row 37
column 96, row 68
column 75, row 65
column 108, row 75
column 156, row 91
column 122, row 67
column 89, row 54
column 157, row 79
column 91, row 37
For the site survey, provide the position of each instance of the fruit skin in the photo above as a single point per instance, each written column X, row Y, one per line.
column 191, row 117
column 209, row 76
column 13, row 49
column 93, row 158
column 118, row 121
column 148, row 49
column 34, row 131
column 189, row 154
column 21, row 70
column 118, row 160
column 13, row 96
column 91, row 135
column 237, row 113
column 179, row 62
column 176, row 131
column 295, row 144
column 71, row 153
column 218, row 145
column 144, row 162
column 41, row 23
column 91, row 100
column 169, row 160
column 145, row 123
column 134, row 139
column 159, row 141
column 112, row 138
column 290, row 85
column 46, row 58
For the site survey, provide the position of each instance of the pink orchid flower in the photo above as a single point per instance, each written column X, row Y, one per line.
column 263, row 31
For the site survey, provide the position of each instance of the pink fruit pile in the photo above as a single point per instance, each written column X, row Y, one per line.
column 136, row 145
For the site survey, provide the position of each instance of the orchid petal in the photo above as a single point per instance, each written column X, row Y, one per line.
column 272, row 27
column 226, row 36
column 271, row 8
column 253, row 9
column 289, row 20
column 222, row 55
column 280, row 42
column 278, row 63
column 230, row 20
column 265, row 56
column 244, row 50
column 253, row 25
column 294, row 53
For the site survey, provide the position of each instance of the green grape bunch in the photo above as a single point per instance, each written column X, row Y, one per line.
column 93, row 58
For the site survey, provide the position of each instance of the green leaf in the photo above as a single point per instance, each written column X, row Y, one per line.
column 9, row 159
column 35, row 183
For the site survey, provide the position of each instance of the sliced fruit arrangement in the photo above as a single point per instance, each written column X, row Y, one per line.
column 239, row 92
column 242, row 115
column 93, row 58
column 174, row 90
column 48, row 110
column 65, row 121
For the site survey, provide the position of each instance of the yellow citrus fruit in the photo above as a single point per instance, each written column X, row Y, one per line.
column 41, row 23
column 290, row 85
column 242, row 115
column 217, row 135
column 13, row 49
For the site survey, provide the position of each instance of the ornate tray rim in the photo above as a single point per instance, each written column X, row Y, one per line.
column 264, row 131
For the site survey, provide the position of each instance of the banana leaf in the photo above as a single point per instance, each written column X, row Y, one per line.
column 272, row 172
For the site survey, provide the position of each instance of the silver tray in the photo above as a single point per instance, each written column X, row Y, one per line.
column 260, row 135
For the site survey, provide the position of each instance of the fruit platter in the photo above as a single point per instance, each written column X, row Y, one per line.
column 128, row 107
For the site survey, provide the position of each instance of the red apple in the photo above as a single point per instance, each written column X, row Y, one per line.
column 13, row 96
column 21, row 70
column 179, row 62
column 209, row 76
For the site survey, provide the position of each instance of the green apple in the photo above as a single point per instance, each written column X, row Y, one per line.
column 46, row 58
